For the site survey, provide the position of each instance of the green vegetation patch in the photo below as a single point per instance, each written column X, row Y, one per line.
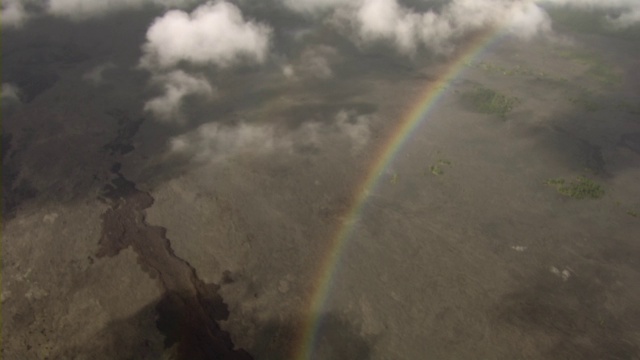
column 488, row 101
column 555, row 182
column 581, row 188
column 394, row 178
column 436, row 170
column 593, row 21
column 517, row 70
column 629, row 107
column 597, row 68
column 604, row 73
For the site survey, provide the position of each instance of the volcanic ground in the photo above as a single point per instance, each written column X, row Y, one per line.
column 506, row 227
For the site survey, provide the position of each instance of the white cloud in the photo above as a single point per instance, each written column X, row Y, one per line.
column 594, row 4
column 368, row 21
column 314, row 62
column 408, row 29
column 84, row 9
column 630, row 8
column 386, row 19
column 13, row 13
column 311, row 6
column 288, row 71
column 88, row 8
column 176, row 85
column 96, row 74
column 215, row 142
column 527, row 20
column 214, row 33
column 355, row 127
column 10, row 92
column 627, row 19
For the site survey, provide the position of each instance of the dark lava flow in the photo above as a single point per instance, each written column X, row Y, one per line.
column 189, row 309
column 127, row 129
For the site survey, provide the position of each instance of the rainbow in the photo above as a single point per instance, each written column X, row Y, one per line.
column 383, row 158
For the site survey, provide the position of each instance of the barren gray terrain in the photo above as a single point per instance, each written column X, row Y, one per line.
column 507, row 227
